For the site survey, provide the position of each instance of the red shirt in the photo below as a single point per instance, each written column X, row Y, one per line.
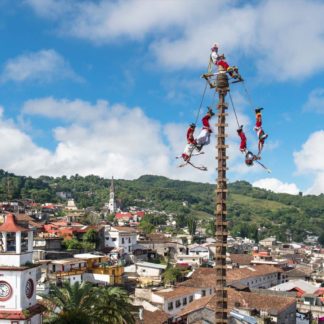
column 205, row 122
column 190, row 136
column 223, row 63
column 258, row 122
column 243, row 141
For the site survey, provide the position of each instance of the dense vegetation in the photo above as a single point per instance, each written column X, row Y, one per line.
column 252, row 212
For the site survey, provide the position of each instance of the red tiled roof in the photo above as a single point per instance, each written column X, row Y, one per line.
column 124, row 229
column 195, row 305
column 206, row 277
column 22, row 315
column 244, row 273
column 176, row 292
column 272, row 304
column 241, row 259
column 156, row 317
column 10, row 226
column 123, row 215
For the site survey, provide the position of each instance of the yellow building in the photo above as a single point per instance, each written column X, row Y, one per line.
column 100, row 271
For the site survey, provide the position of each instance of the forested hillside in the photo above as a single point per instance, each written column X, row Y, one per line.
column 249, row 208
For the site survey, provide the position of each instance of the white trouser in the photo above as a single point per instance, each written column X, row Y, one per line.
column 204, row 137
column 189, row 149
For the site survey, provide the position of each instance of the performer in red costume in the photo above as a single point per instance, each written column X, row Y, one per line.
column 191, row 142
column 204, row 136
column 190, row 134
column 259, row 130
column 243, row 139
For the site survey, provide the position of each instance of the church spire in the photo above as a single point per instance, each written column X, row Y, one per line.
column 112, row 203
column 112, row 186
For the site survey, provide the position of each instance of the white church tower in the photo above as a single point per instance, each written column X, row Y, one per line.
column 17, row 275
column 112, row 203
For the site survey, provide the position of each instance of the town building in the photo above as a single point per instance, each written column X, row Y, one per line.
column 71, row 206
column 248, row 307
column 120, row 237
column 150, row 272
column 17, row 275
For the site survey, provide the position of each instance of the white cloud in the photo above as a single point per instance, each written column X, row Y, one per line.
column 106, row 139
column 274, row 34
column 276, row 185
column 310, row 157
column 95, row 138
column 309, row 160
column 42, row 66
column 315, row 102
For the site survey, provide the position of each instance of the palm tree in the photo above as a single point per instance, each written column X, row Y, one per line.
column 113, row 306
column 70, row 303
column 85, row 304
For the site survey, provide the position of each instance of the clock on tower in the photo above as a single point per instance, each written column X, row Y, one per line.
column 5, row 291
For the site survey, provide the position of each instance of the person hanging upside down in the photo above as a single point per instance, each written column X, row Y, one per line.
column 191, row 142
column 249, row 156
column 204, row 136
column 262, row 136
column 243, row 139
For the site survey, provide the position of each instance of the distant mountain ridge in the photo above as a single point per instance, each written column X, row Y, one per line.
column 249, row 208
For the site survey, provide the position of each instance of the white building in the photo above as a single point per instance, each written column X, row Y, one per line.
column 17, row 275
column 71, row 205
column 120, row 237
column 261, row 276
column 199, row 250
column 172, row 300
column 70, row 270
column 192, row 260
column 151, row 270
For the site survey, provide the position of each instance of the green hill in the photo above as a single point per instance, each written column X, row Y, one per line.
column 249, row 208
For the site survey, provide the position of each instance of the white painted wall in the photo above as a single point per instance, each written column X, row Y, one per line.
column 97, row 278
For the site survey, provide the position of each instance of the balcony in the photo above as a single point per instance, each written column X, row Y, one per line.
column 72, row 272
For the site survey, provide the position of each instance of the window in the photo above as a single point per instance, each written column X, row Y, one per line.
column 114, row 239
column 190, row 299
column 178, row 303
column 123, row 240
column 129, row 249
column 210, row 291
column 170, row 306
column 129, row 240
column 203, row 293
column 184, row 301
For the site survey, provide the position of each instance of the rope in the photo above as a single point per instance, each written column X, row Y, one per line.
column 248, row 95
column 238, row 124
column 201, row 102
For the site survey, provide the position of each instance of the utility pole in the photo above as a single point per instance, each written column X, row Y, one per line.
column 221, row 311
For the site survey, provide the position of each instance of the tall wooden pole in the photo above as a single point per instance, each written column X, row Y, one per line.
column 221, row 210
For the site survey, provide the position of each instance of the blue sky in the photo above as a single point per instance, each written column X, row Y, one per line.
column 109, row 87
